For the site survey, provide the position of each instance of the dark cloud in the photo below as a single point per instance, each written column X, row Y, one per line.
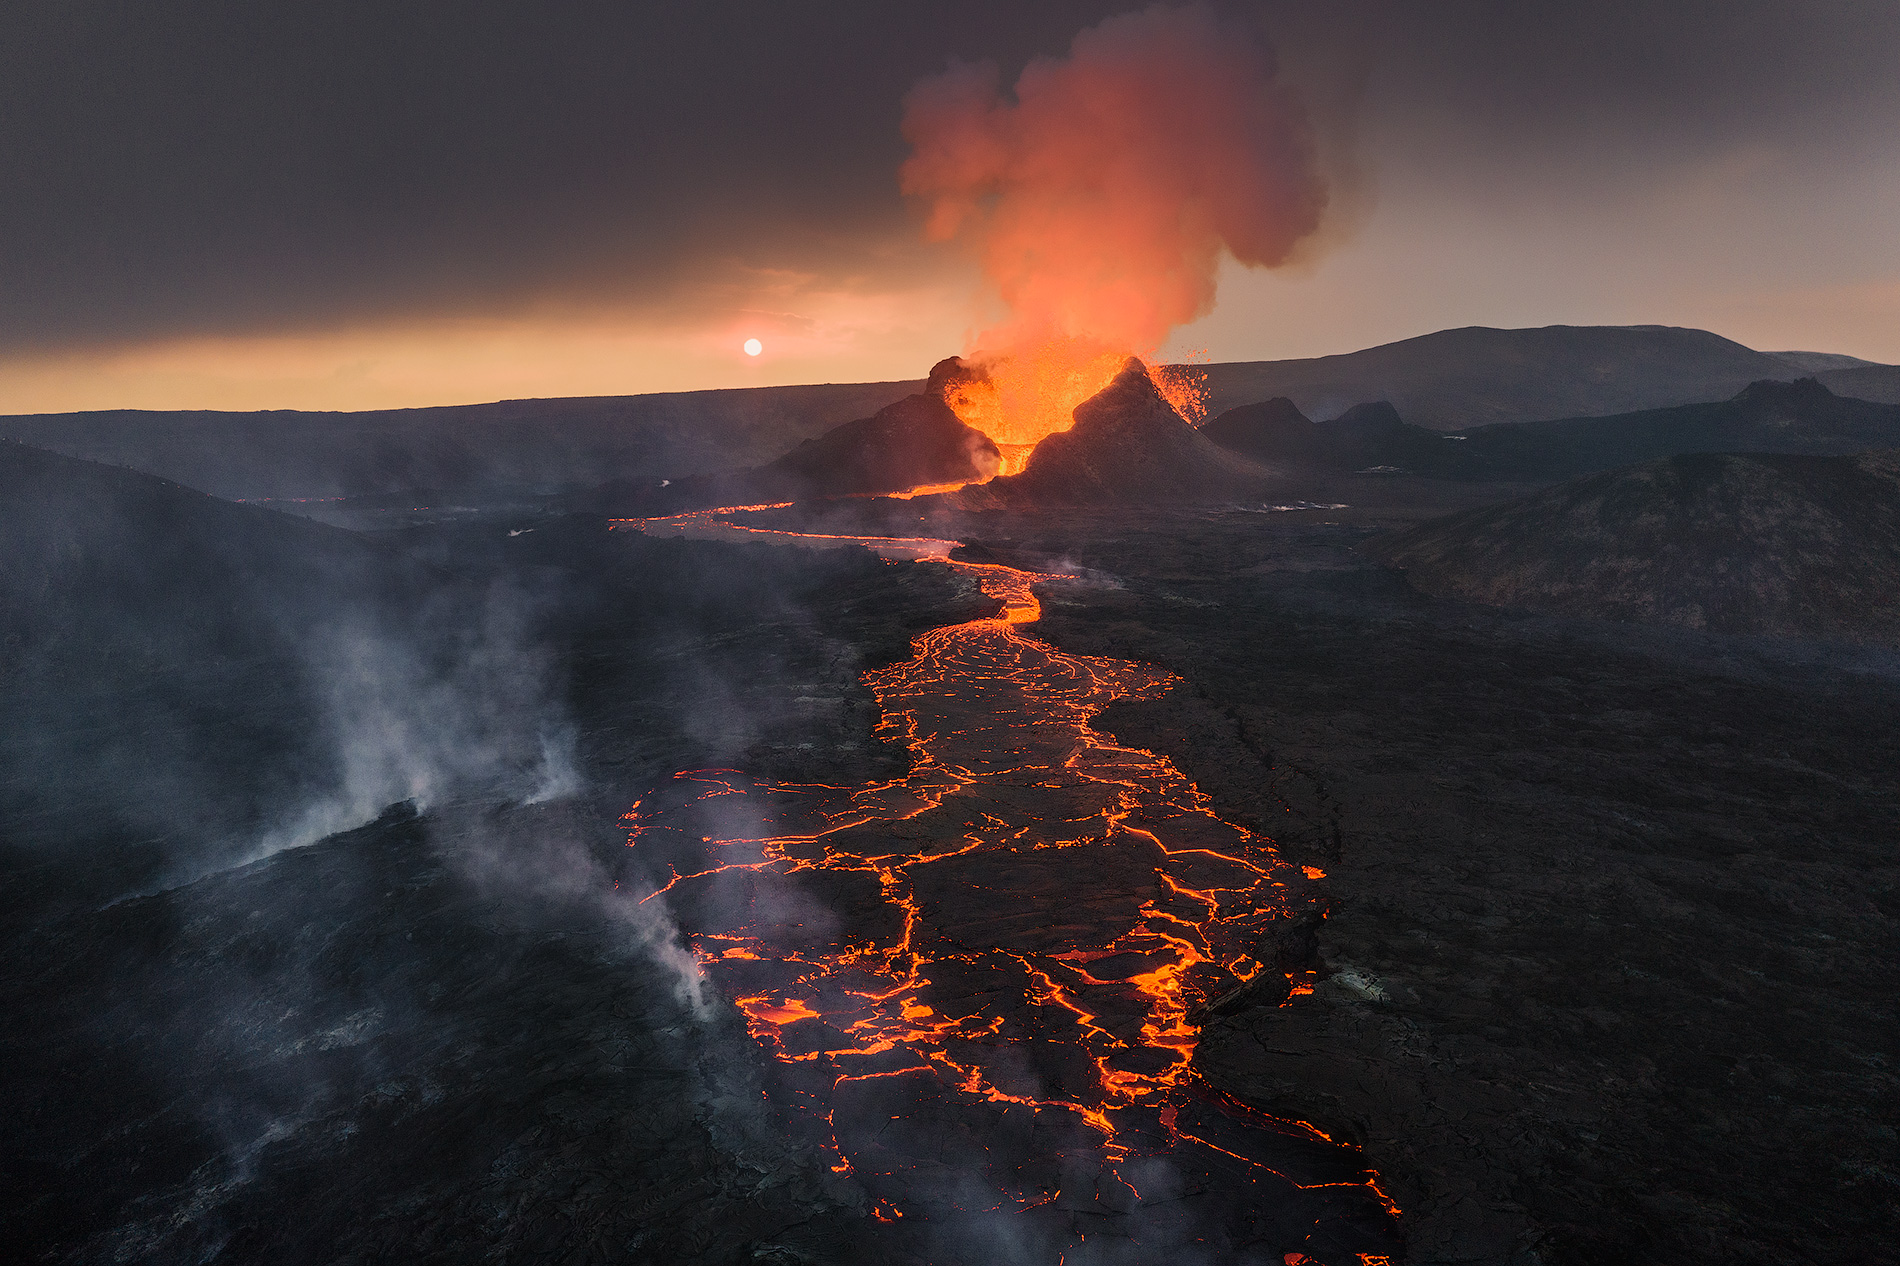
column 1619, row 80
column 230, row 167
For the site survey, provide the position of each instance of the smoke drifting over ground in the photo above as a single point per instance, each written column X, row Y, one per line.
column 1100, row 200
column 423, row 716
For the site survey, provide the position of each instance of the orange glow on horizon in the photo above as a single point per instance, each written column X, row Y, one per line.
column 810, row 330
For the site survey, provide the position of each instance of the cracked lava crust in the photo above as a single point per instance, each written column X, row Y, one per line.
column 980, row 985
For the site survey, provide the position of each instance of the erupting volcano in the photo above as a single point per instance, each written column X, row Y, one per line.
column 1100, row 202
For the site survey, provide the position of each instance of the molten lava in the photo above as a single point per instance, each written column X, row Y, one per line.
column 1018, row 398
column 993, row 964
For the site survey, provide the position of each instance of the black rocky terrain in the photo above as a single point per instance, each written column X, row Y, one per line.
column 1734, row 543
column 915, row 442
column 1127, row 445
column 1801, row 416
column 1615, row 910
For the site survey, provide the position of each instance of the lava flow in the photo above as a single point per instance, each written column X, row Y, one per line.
column 979, row 982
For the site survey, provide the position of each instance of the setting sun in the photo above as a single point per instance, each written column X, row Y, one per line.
column 753, row 347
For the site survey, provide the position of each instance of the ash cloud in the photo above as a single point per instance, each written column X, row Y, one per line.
column 219, row 168
column 1101, row 199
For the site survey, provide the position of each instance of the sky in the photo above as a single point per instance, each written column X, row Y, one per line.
column 372, row 203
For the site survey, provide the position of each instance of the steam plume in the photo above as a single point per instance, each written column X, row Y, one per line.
column 1100, row 200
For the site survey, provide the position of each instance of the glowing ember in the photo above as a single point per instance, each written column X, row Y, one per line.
column 1007, row 946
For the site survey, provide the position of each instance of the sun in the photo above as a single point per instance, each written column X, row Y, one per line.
column 753, row 347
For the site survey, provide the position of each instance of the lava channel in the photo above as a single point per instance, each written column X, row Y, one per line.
column 977, row 984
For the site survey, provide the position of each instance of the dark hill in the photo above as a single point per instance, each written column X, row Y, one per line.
column 540, row 446
column 1768, row 417
column 1271, row 426
column 101, row 561
column 1801, row 417
column 1751, row 543
column 1277, row 433
column 918, row 440
column 1128, row 445
column 1455, row 379
column 149, row 631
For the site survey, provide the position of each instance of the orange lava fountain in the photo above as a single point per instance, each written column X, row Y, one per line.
column 1030, row 394
column 991, row 966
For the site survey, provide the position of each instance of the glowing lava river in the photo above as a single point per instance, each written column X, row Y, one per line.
column 979, row 984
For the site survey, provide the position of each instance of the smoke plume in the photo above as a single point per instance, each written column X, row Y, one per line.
column 1100, row 200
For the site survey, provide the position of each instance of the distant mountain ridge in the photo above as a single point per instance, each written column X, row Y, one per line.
column 1822, row 362
column 1450, row 380
column 1800, row 417
column 1476, row 376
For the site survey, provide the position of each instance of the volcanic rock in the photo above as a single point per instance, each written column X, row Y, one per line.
column 1275, row 431
column 1128, row 445
column 1771, row 417
column 1269, row 424
column 1752, row 543
column 918, row 440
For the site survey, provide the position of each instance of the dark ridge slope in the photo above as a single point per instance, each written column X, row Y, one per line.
column 1753, row 543
column 1475, row 376
column 1128, row 445
column 147, row 631
column 1800, row 417
column 1821, row 362
column 1769, row 417
column 1274, row 432
column 540, row 446
column 98, row 560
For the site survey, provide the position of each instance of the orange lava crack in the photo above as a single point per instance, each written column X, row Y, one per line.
column 993, row 720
